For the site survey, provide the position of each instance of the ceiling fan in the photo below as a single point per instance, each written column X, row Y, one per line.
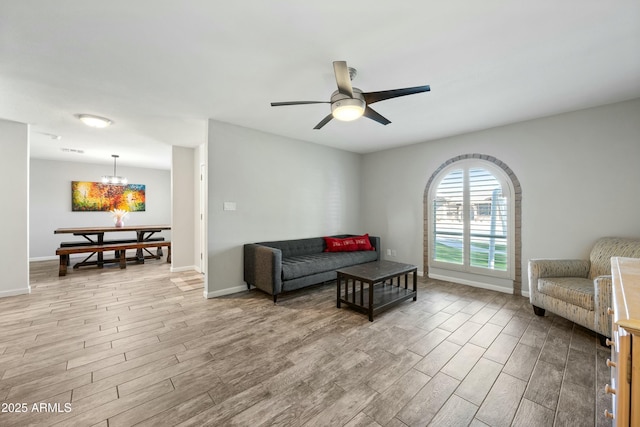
column 349, row 103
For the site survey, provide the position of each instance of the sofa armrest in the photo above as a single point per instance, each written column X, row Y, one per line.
column 602, row 299
column 375, row 242
column 263, row 268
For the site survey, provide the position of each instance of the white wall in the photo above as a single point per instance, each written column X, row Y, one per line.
column 50, row 193
column 14, row 244
column 579, row 173
column 182, row 195
column 283, row 189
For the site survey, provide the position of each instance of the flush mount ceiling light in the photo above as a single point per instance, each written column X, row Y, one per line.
column 94, row 121
column 114, row 179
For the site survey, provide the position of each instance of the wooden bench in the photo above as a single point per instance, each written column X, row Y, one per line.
column 120, row 248
column 111, row 241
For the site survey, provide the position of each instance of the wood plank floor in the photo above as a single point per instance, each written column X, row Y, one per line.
column 142, row 346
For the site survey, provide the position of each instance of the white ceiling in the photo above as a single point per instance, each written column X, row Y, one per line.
column 160, row 69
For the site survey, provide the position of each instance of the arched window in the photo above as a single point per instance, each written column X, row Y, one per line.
column 471, row 223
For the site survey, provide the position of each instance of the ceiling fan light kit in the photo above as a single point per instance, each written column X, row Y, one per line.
column 349, row 103
column 347, row 109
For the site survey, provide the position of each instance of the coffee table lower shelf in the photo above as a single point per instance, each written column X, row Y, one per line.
column 384, row 297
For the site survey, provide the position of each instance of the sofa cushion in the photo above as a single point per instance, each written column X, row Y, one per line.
column 291, row 248
column 305, row 265
column 573, row 290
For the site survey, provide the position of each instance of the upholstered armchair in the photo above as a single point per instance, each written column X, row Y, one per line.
column 579, row 290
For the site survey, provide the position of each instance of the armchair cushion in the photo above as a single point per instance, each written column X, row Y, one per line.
column 574, row 290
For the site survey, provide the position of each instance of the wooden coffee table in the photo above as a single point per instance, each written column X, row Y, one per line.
column 381, row 293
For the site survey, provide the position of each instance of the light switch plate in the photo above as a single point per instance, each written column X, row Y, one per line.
column 229, row 206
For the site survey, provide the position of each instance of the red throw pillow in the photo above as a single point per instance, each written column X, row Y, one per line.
column 363, row 242
column 335, row 244
column 348, row 244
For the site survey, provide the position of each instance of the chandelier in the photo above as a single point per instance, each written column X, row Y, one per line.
column 114, row 179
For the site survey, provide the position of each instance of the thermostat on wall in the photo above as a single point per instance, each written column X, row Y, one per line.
column 229, row 206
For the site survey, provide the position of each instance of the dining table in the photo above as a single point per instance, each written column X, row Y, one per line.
column 95, row 235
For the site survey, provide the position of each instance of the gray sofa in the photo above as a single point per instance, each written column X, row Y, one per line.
column 286, row 265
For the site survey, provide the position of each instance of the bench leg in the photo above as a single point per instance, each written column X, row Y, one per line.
column 140, row 256
column 123, row 259
column 64, row 260
column 168, row 254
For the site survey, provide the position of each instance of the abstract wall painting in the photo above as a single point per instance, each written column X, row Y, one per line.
column 96, row 196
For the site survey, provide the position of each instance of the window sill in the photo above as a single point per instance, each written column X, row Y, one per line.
column 476, row 280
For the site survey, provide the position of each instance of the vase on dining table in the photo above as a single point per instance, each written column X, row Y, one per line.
column 119, row 216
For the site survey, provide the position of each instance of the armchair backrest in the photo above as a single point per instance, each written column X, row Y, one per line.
column 608, row 247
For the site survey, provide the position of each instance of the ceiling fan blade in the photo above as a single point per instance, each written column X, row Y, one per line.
column 342, row 78
column 371, row 97
column 374, row 115
column 324, row 121
column 280, row 104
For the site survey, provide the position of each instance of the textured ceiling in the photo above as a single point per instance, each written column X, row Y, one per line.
column 160, row 69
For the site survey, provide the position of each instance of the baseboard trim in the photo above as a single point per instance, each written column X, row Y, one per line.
column 185, row 268
column 14, row 292
column 223, row 292
column 54, row 258
column 44, row 258
column 473, row 283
